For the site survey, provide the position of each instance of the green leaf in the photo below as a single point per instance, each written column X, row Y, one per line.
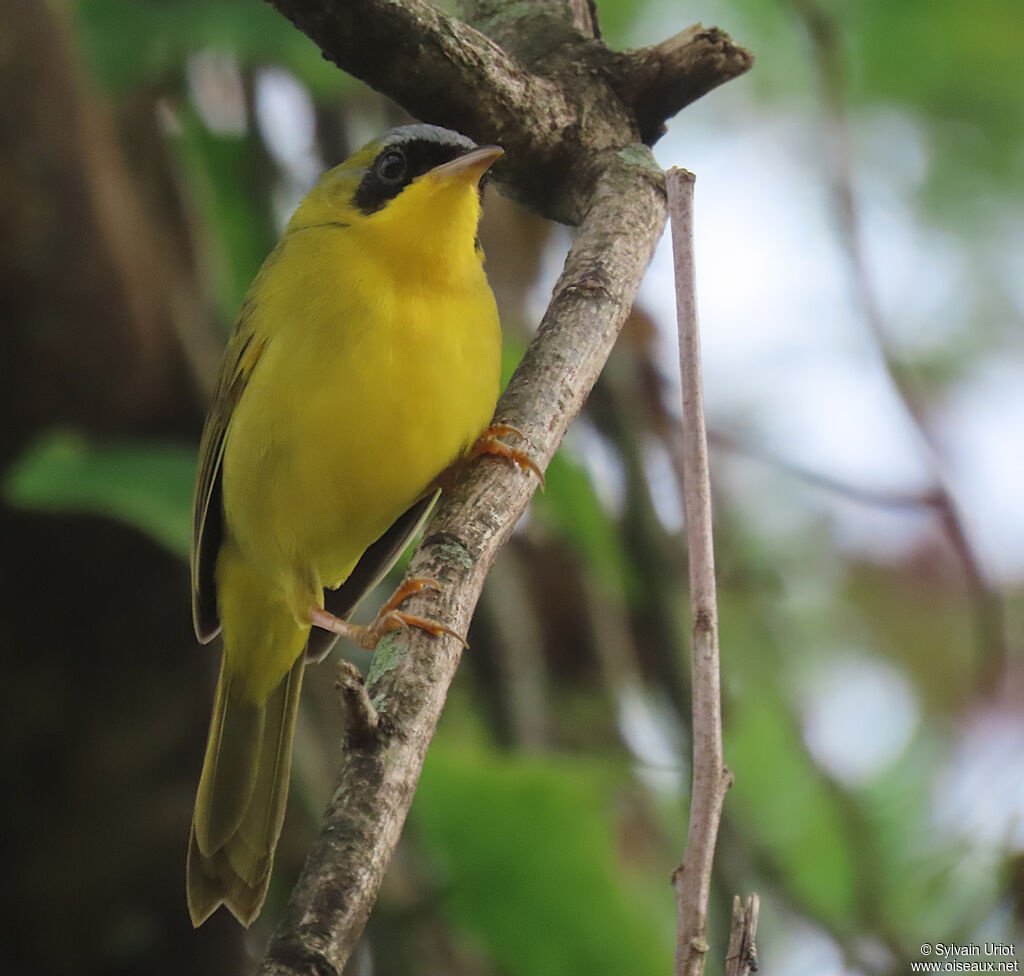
column 529, row 850
column 144, row 485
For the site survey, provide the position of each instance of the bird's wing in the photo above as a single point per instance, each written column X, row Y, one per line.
column 243, row 352
column 373, row 566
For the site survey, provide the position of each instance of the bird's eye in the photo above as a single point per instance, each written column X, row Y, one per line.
column 391, row 167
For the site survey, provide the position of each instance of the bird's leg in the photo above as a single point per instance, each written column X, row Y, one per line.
column 389, row 617
column 488, row 443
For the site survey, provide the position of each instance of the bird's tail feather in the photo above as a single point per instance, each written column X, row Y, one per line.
column 241, row 798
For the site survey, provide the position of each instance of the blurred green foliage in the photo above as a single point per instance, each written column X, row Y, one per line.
column 145, row 485
column 223, row 174
column 957, row 67
column 786, row 806
column 529, row 865
column 133, row 44
column 570, row 508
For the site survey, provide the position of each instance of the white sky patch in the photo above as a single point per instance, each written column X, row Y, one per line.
column 979, row 798
column 919, row 276
column 365, row 123
column 876, row 533
column 650, row 730
column 668, row 503
column 1007, row 259
column 842, row 418
column 892, row 143
column 983, row 430
column 215, row 85
column 916, row 270
column 287, row 120
column 767, row 300
column 589, row 448
column 550, row 267
column 788, row 361
column 805, row 949
column 859, row 714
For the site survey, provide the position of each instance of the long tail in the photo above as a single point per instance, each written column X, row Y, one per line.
column 241, row 799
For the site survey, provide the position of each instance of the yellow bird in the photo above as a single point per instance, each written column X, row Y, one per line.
column 363, row 364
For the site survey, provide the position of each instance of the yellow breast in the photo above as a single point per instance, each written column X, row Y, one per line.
column 375, row 377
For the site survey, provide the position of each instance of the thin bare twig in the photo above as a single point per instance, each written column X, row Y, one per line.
column 711, row 779
column 741, row 958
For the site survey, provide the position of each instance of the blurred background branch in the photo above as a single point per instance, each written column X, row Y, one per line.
column 830, row 61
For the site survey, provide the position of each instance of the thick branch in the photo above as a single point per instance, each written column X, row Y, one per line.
column 711, row 780
column 411, row 672
column 426, row 51
column 446, row 72
column 661, row 80
column 548, row 92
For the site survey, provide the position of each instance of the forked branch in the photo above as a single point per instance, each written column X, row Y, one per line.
column 574, row 153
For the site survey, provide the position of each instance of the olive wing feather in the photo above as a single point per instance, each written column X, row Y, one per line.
column 243, row 352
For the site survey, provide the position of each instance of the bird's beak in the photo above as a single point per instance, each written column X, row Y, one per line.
column 469, row 167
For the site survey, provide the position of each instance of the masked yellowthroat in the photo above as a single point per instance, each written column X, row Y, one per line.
column 364, row 363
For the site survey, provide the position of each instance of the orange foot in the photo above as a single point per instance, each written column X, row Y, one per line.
column 488, row 443
column 389, row 617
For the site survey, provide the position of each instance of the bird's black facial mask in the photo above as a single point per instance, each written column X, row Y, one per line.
column 405, row 154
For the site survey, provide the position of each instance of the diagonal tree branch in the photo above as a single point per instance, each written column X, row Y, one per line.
column 575, row 153
column 411, row 673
